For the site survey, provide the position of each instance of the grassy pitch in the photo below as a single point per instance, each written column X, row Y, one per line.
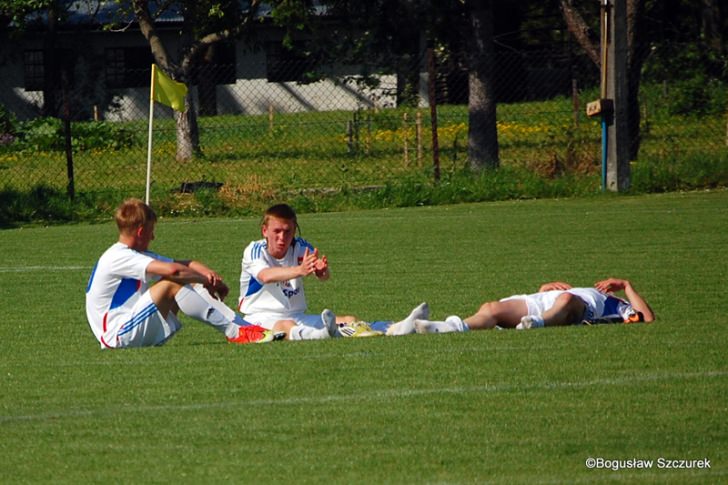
column 498, row 407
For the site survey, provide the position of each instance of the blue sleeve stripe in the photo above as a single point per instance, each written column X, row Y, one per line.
column 258, row 248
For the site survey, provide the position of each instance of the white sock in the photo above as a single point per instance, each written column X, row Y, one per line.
column 451, row 324
column 536, row 322
column 195, row 305
column 304, row 332
column 457, row 323
column 530, row 321
column 229, row 313
column 407, row 326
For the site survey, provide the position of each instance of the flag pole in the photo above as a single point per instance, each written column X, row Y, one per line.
column 149, row 135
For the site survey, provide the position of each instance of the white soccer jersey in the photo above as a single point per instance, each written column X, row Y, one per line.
column 283, row 298
column 117, row 282
column 603, row 308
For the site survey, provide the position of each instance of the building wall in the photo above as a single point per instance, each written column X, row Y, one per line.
column 250, row 94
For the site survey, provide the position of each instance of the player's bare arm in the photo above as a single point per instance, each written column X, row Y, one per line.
column 635, row 299
column 183, row 274
column 285, row 273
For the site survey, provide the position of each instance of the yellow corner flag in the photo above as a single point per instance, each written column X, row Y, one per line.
column 167, row 91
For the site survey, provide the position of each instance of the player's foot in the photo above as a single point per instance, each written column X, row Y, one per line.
column 248, row 334
column 451, row 324
column 358, row 329
column 329, row 319
column 407, row 326
column 530, row 321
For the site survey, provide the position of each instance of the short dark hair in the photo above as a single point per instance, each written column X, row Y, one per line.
column 280, row 211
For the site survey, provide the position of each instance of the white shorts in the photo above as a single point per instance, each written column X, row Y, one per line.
column 538, row 303
column 146, row 325
column 267, row 320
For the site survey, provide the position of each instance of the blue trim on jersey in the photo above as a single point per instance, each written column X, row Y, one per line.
column 302, row 242
column 138, row 319
column 258, row 248
column 611, row 306
column 126, row 289
column 91, row 278
column 254, row 286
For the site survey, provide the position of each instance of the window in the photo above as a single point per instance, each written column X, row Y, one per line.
column 217, row 65
column 34, row 70
column 128, row 67
column 56, row 65
column 284, row 65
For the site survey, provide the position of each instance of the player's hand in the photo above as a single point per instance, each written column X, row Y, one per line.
column 308, row 262
column 215, row 285
column 221, row 291
column 322, row 267
column 555, row 285
column 610, row 285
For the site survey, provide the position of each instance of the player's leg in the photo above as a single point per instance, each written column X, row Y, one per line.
column 170, row 296
column 313, row 327
column 505, row 313
column 567, row 309
column 407, row 326
column 220, row 306
column 146, row 325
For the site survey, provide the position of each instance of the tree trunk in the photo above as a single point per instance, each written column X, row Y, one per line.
column 637, row 53
column 711, row 25
column 188, row 134
column 482, row 131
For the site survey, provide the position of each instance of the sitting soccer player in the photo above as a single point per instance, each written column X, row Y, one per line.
column 271, row 283
column 122, row 308
column 555, row 304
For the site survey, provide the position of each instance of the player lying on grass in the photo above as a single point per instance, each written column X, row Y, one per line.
column 122, row 308
column 272, row 282
column 555, row 304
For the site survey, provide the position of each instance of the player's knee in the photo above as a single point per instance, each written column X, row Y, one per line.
column 283, row 325
column 489, row 309
column 165, row 290
column 573, row 304
column 569, row 300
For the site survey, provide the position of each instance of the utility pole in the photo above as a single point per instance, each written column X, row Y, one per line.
column 618, row 170
column 612, row 105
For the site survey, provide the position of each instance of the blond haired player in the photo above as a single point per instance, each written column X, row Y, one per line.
column 133, row 295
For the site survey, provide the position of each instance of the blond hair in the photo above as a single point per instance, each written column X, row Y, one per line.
column 133, row 213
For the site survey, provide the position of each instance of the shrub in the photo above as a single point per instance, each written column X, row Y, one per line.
column 47, row 134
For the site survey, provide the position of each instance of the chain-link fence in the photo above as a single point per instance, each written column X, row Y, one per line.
column 262, row 136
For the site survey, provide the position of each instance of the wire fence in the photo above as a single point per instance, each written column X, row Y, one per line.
column 261, row 137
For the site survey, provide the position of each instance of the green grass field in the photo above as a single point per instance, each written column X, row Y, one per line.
column 495, row 407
